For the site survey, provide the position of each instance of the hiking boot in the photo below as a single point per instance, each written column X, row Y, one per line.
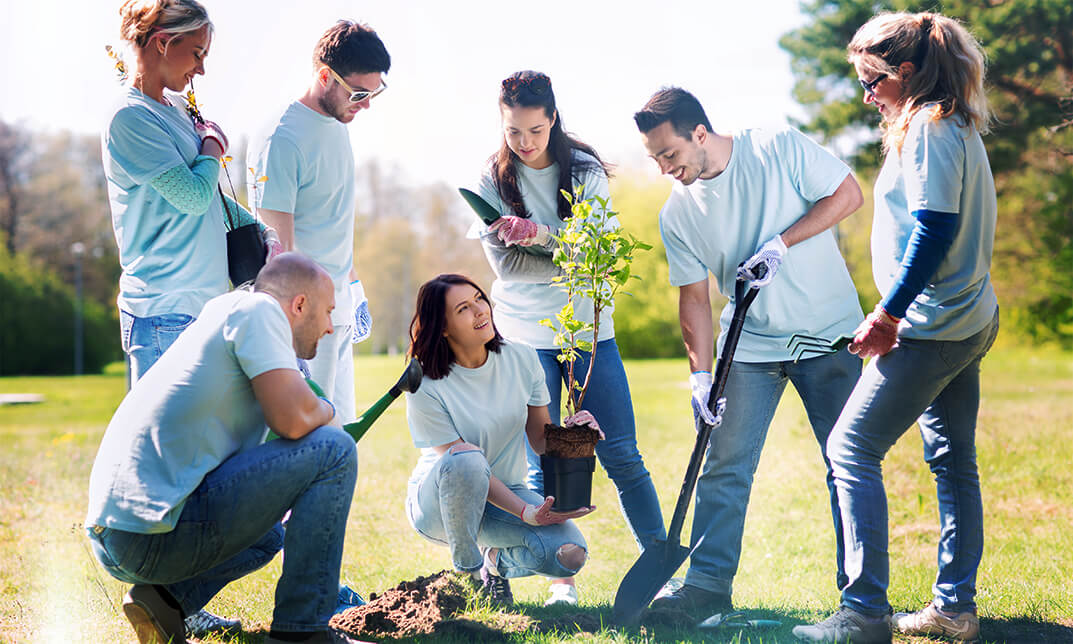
column 963, row 627
column 155, row 621
column 203, row 623
column 562, row 594
column 694, row 599
column 330, row 636
column 496, row 589
column 845, row 626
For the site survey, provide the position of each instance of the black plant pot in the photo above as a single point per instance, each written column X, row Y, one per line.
column 245, row 253
column 569, row 480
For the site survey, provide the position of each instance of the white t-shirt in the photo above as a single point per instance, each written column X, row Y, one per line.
column 487, row 406
column 310, row 168
column 191, row 411
column 772, row 179
column 520, row 306
column 942, row 167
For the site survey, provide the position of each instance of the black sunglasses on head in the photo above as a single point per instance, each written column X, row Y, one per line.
column 537, row 83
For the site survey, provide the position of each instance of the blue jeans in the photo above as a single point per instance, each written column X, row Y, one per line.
column 230, row 526
column 608, row 399
column 449, row 507
column 753, row 391
column 146, row 339
column 936, row 384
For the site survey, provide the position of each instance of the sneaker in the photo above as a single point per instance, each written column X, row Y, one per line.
column 330, row 636
column 562, row 594
column 203, row 623
column 845, row 626
column 347, row 599
column 154, row 620
column 496, row 589
column 963, row 627
column 694, row 599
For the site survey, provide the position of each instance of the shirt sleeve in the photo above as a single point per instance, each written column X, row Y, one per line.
column 538, row 387
column 260, row 336
column 430, row 422
column 190, row 190
column 815, row 172
column 933, row 162
column 140, row 145
column 684, row 267
column 280, row 161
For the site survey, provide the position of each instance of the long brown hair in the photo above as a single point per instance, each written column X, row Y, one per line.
column 949, row 68
column 427, row 341
column 533, row 89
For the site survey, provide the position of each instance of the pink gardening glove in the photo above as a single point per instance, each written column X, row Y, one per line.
column 273, row 246
column 521, row 231
column 583, row 417
column 876, row 336
column 210, row 130
column 543, row 515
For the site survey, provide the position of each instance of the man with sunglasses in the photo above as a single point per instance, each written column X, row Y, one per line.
column 309, row 193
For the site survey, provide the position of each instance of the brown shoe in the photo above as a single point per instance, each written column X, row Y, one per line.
column 153, row 619
column 963, row 627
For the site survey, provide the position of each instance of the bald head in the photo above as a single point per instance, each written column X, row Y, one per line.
column 290, row 274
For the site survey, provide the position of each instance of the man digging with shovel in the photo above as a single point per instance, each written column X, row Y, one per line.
column 768, row 198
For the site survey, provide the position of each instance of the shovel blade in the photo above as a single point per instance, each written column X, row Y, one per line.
column 655, row 567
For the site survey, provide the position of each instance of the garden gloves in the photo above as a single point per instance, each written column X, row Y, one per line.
column 363, row 321
column 876, row 336
column 769, row 257
column 521, row 231
column 210, row 130
column 701, row 384
column 583, row 417
column 272, row 244
column 544, row 515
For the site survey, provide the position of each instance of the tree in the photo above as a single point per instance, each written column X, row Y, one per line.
column 1029, row 44
column 14, row 145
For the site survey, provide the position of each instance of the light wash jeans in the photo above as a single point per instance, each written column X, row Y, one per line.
column 753, row 391
column 230, row 526
column 146, row 339
column 608, row 399
column 450, row 507
column 936, row 384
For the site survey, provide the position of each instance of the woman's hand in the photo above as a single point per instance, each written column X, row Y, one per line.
column 543, row 515
column 272, row 244
column 583, row 417
column 212, row 138
column 876, row 336
column 521, row 231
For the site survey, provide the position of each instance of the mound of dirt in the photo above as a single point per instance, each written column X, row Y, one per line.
column 412, row 608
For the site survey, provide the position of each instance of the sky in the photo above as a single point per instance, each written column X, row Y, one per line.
column 438, row 120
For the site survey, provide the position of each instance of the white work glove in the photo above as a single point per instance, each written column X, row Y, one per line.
column 770, row 257
column 701, row 384
column 542, row 514
column 363, row 321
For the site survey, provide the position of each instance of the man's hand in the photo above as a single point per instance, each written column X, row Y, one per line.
column 363, row 320
column 521, row 231
column 701, row 384
column 543, row 515
column 770, row 257
column 876, row 336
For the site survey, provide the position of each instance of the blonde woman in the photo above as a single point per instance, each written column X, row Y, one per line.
column 931, row 253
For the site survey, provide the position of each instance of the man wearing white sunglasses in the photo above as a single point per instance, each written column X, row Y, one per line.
column 308, row 196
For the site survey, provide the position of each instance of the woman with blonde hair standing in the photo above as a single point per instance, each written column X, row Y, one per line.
column 932, row 237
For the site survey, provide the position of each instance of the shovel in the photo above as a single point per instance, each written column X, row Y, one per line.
column 661, row 560
column 409, row 381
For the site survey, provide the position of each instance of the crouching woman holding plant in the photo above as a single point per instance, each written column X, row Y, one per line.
column 481, row 398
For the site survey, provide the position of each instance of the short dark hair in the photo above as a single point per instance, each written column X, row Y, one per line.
column 352, row 48
column 676, row 105
column 427, row 342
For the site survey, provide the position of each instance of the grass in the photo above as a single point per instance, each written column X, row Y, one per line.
column 51, row 590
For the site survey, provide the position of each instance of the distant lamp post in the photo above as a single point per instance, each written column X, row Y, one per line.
column 78, row 249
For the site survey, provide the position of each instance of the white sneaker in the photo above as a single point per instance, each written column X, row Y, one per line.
column 562, row 594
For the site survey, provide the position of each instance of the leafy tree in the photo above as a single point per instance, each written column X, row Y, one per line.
column 1029, row 44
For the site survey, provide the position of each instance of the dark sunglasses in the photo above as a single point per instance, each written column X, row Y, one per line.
column 537, row 84
column 870, row 86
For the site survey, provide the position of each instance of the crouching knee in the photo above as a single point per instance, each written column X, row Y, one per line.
column 572, row 556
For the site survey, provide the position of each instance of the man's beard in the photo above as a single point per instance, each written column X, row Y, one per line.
column 336, row 110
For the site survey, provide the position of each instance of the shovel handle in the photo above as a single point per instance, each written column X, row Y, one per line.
column 744, row 294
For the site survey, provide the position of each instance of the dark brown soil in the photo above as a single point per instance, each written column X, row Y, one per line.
column 429, row 605
column 570, row 442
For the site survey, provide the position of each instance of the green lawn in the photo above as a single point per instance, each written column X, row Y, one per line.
column 52, row 591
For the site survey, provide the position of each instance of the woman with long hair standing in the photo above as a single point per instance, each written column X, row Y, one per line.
column 524, row 180
column 932, row 236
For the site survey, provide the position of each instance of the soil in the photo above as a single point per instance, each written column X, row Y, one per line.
column 570, row 442
column 429, row 606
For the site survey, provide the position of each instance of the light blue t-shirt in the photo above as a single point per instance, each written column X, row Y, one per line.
column 310, row 168
column 487, row 406
column 172, row 262
column 942, row 167
column 520, row 306
column 191, row 411
column 772, row 179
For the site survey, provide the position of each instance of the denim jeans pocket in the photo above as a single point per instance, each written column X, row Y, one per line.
column 956, row 354
column 167, row 328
